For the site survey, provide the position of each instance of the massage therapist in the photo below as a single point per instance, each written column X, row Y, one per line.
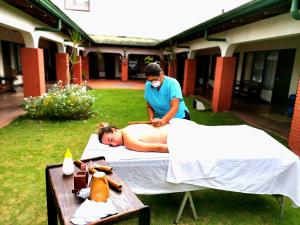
column 164, row 97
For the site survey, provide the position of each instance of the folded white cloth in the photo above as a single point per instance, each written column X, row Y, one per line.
column 90, row 211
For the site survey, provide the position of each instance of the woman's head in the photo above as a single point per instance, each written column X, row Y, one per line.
column 109, row 135
column 153, row 72
column 153, row 69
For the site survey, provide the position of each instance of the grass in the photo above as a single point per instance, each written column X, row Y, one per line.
column 27, row 146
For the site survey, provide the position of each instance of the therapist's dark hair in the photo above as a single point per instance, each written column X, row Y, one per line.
column 153, row 69
column 104, row 128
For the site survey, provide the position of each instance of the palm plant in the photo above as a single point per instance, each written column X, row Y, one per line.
column 76, row 40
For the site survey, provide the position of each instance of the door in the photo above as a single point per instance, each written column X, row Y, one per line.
column 109, row 62
column 6, row 59
column 202, row 73
column 283, row 77
column 180, row 57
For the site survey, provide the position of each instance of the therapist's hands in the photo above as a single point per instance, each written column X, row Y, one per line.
column 156, row 122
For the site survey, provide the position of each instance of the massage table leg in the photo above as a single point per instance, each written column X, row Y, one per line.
column 187, row 195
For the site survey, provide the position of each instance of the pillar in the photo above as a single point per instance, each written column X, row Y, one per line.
column 171, row 68
column 124, row 69
column 77, row 72
column 85, row 68
column 294, row 138
column 189, row 77
column 32, row 60
column 62, row 68
column 223, row 84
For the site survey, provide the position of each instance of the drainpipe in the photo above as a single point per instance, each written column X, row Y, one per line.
column 294, row 10
column 57, row 29
column 213, row 39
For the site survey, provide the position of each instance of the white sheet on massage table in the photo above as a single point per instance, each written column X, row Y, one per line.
column 144, row 172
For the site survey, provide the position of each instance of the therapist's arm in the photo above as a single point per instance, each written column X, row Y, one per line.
column 170, row 114
column 150, row 112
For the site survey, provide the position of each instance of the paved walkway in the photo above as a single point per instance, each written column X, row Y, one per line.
column 107, row 84
column 10, row 106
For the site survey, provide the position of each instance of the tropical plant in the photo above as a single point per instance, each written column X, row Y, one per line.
column 76, row 40
column 70, row 102
column 148, row 59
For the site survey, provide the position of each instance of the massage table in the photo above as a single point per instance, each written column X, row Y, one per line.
column 253, row 162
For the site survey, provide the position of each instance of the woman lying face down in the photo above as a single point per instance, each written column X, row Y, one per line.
column 137, row 137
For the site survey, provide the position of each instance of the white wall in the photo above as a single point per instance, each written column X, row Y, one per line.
column 16, row 20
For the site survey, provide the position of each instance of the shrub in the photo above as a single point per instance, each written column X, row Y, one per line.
column 70, row 102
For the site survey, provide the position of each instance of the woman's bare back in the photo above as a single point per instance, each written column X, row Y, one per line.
column 147, row 133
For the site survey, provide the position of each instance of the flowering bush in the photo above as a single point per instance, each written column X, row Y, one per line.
column 61, row 103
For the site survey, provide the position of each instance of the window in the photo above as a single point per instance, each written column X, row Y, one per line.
column 260, row 67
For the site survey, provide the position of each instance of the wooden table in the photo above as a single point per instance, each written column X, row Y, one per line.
column 63, row 203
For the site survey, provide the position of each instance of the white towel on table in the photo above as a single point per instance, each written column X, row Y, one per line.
column 90, row 211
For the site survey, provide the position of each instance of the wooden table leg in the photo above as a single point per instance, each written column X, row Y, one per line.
column 51, row 209
column 144, row 217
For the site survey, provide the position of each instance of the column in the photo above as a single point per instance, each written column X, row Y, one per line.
column 223, row 84
column 124, row 69
column 189, row 77
column 77, row 72
column 171, row 69
column 32, row 60
column 294, row 138
column 85, row 68
column 62, row 68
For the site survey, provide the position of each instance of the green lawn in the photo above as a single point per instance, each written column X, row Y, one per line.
column 27, row 146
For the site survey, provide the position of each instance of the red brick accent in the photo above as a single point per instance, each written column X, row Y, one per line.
column 124, row 69
column 62, row 68
column 223, row 84
column 32, row 60
column 171, row 66
column 294, row 138
column 77, row 72
column 189, row 76
column 85, row 68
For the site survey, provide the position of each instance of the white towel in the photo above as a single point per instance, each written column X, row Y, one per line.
column 90, row 211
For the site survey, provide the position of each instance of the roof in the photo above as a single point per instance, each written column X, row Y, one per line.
column 124, row 41
column 250, row 12
column 49, row 13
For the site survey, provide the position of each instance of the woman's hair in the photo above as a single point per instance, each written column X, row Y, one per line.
column 104, row 128
column 153, row 69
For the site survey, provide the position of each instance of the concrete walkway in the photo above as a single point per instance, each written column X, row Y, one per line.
column 10, row 106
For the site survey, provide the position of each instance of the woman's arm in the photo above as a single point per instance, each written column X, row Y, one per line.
column 170, row 114
column 140, row 146
column 150, row 111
